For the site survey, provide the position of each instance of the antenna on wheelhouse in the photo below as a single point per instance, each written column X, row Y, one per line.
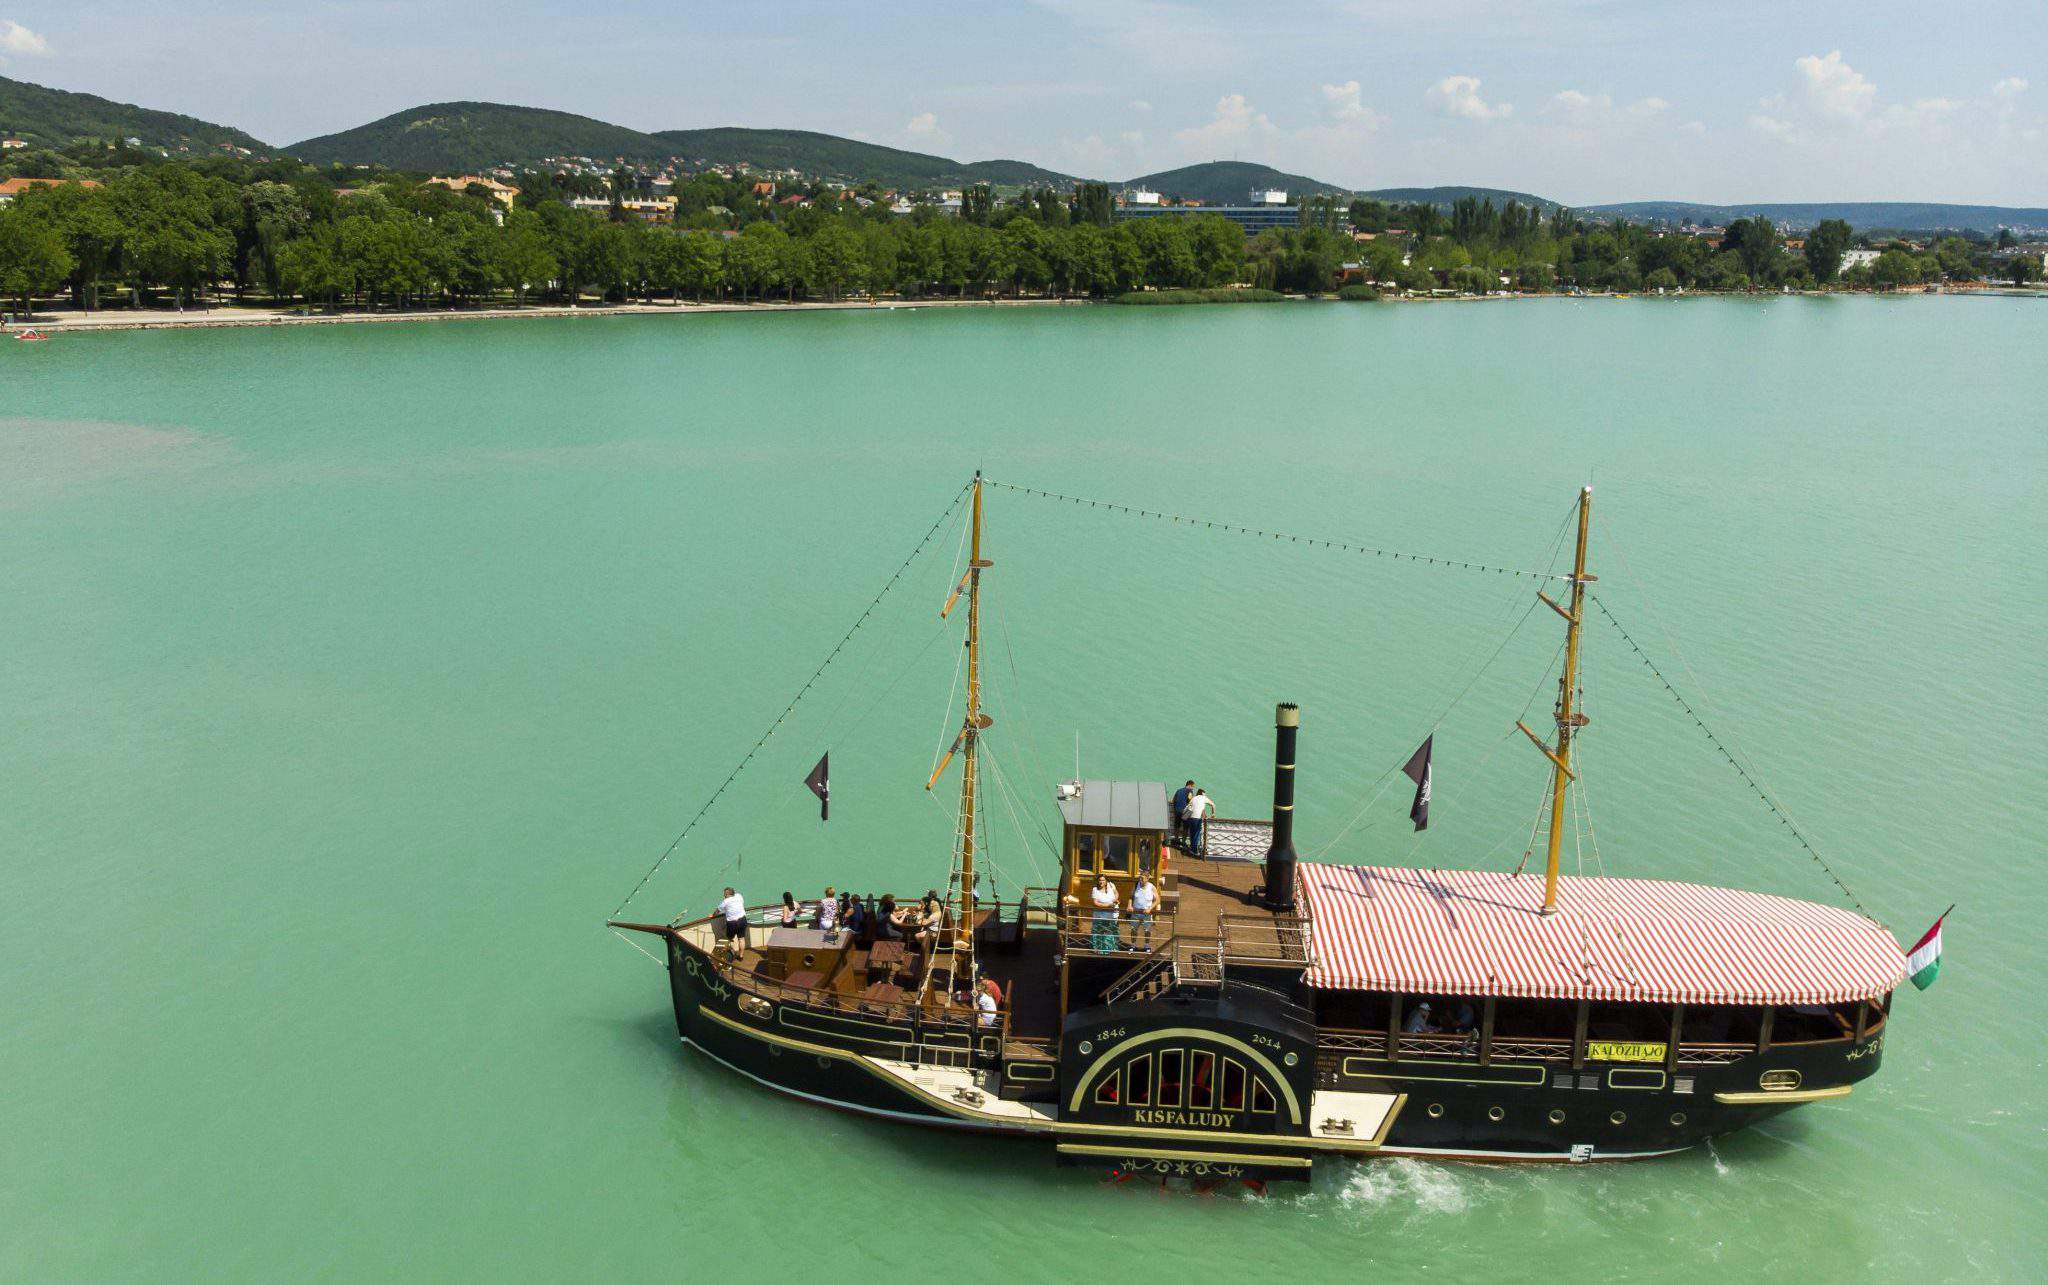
column 1569, row 717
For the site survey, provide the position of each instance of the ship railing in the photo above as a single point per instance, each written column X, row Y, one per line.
column 908, row 1011
column 1264, row 939
column 1714, row 1054
column 1081, row 936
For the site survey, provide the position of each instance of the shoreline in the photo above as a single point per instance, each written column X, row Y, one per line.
column 243, row 318
column 246, row 318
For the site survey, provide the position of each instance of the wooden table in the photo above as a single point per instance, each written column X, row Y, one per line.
column 887, row 952
column 885, row 992
column 807, row 979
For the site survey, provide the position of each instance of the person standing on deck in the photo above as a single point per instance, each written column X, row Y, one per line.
column 1103, row 928
column 1180, row 815
column 734, row 911
column 1144, row 901
column 1198, row 810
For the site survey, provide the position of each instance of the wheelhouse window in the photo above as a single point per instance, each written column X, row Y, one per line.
column 1109, row 1092
column 1147, row 856
column 1084, row 850
column 1172, row 1073
column 1233, row 1085
column 1201, row 1080
column 1116, row 854
column 1262, row 1098
column 1140, row 1071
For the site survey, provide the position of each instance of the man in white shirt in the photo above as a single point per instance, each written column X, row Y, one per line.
column 1199, row 808
column 1144, row 901
column 734, row 911
column 985, row 1005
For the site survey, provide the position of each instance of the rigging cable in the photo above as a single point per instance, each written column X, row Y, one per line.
column 1263, row 534
column 1741, row 771
column 816, row 674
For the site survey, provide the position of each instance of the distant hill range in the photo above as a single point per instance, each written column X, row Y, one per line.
column 1902, row 216
column 441, row 137
column 58, row 117
column 829, row 156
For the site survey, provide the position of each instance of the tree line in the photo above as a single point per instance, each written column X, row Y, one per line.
column 289, row 233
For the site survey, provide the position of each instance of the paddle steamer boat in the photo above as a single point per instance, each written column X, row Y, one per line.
column 1271, row 1013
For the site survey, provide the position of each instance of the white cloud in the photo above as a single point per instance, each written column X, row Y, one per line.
column 2005, row 91
column 1459, row 96
column 1579, row 110
column 1234, row 123
column 17, row 41
column 924, row 128
column 1834, row 88
column 1140, row 106
column 1345, row 107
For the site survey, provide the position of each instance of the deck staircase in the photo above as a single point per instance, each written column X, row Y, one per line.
column 1170, row 964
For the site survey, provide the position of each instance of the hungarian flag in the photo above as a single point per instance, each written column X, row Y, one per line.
column 1418, row 771
column 1923, row 962
column 820, row 781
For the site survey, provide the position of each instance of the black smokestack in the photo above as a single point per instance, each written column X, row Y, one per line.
column 1280, row 857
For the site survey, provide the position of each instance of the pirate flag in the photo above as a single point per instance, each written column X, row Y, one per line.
column 820, row 781
column 1417, row 770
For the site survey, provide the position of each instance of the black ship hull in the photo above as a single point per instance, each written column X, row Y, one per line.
column 1443, row 1107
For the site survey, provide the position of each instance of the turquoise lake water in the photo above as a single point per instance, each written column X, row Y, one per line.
column 354, row 674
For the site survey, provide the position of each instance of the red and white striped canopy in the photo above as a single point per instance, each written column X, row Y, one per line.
column 1479, row 932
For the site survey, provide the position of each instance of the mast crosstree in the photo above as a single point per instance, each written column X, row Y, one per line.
column 1569, row 717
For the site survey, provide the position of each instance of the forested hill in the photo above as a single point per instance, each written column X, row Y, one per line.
column 1444, row 196
column 441, row 137
column 1899, row 216
column 55, row 118
column 830, row 156
column 1229, row 182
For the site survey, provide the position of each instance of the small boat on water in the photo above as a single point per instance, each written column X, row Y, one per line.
column 31, row 336
column 1191, row 1000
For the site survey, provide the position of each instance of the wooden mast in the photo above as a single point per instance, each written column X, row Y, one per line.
column 970, row 731
column 1569, row 718
column 969, row 735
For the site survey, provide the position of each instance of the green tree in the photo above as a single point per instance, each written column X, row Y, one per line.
column 92, row 232
column 307, row 267
column 753, row 257
column 838, row 260
column 2024, row 268
column 33, row 259
column 1093, row 204
column 524, row 259
column 1824, row 247
column 977, row 203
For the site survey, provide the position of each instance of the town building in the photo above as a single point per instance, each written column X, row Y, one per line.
column 11, row 188
column 1252, row 218
column 1858, row 259
column 12, row 144
column 503, row 193
column 1142, row 197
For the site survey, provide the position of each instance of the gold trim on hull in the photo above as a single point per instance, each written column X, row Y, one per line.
column 1782, row 1097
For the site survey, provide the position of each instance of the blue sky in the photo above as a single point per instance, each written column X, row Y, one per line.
column 1581, row 100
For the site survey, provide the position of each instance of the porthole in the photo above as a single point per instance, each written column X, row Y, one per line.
column 1619, row 1117
column 1557, row 1115
column 1291, row 1058
column 1495, row 1114
column 1436, row 1110
column 1677, row 1118
column 1778, row 1081
column 1086, row 1048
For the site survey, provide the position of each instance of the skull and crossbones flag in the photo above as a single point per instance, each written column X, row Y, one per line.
column 1418, row 771
column 820, row 781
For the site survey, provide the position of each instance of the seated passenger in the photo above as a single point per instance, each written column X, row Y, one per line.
column 931, row 916
column 890, row 921
column 987, row 997
column 856, row 919
column 1418, row 1021
column 827, row 917
column 790, row 913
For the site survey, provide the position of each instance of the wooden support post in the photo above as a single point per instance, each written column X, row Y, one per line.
column 1763, row 1034
column 1394, row 1027
column 1862, row 1019
column 1579, row 1035
column 1486, row 1034
column 1677, row 1033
